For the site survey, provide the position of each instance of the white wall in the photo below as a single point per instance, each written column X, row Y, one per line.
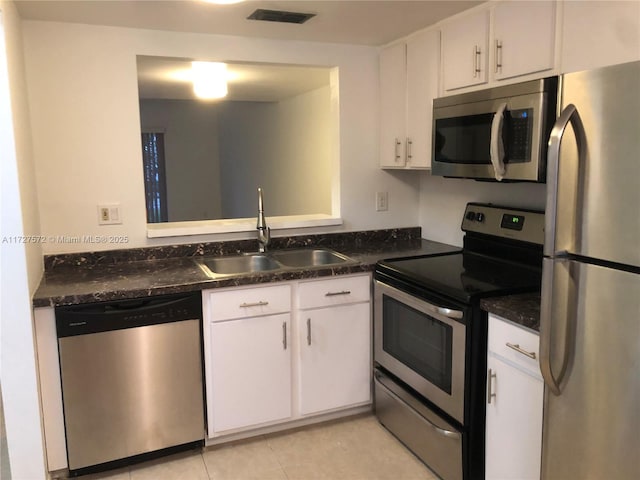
column 20, row 262
column 306, row 121
column 283, row 147
column 442, row 202
column 82, row 83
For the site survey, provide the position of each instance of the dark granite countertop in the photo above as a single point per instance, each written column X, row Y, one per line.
column 87, row 278
column 522, row 309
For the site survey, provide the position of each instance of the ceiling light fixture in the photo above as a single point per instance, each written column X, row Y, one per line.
column 209, row 79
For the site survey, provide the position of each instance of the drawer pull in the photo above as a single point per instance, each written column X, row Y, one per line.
column 333, row 294
column 309, row 331
column 490, row 394
column 284, row 335
column 256, row 304
column 517, row 348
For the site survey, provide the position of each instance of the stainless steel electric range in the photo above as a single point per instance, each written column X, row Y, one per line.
column 430, row 335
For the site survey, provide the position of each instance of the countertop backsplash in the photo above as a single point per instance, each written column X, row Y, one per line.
column 363, row 240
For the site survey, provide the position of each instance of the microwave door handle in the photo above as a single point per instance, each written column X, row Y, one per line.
column 496, row 149
column 569, row 115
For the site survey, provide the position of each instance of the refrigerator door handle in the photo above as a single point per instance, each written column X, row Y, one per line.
column 568, row 115
column 549, row 296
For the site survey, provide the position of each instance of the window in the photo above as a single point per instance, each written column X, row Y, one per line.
column 155, row 180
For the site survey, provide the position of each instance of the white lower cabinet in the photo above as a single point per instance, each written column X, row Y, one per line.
column 251, row 381
column 514, row 403
column 335, row 366
column 268, row 362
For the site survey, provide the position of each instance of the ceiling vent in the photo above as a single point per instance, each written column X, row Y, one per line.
column 280, row 16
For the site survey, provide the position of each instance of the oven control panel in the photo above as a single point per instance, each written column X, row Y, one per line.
column 507, row 222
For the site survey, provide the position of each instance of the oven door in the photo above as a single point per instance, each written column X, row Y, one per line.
column 423, row 345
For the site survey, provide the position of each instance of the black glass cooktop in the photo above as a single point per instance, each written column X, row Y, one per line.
column 465, row 276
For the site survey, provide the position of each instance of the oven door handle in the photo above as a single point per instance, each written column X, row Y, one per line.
column 424, row 305
column 447, row 312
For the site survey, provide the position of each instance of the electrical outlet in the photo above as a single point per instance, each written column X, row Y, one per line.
column 109, row 214
column 382, row 201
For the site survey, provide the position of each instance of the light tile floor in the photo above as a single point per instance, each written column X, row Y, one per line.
column 358, row 448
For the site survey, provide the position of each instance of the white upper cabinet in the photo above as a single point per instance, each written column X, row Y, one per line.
column 523, row 38
column 597, row 34
column 501, row 41
column 393, row 94
column 409, row 74
column 465, row 44
column 423, row 67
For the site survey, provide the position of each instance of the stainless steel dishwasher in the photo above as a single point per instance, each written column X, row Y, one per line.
column 131, row 378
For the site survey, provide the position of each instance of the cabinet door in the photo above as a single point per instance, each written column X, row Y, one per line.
column 335, row 357
column 393, row 95
column 514, row 423
column 250, row 372
column 524, row 38
column 464, row 51
column 423, row 64
column 599, row 33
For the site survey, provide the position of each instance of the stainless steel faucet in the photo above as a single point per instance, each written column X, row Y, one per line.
column 264, row 232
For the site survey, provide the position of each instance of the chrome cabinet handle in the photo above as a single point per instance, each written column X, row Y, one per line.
column 409, row 145
column 517, row 348
column 569, row 115
column 308, row 331
column 256, row 304
column 397, row 150
column 498, row 56
column 334, row 294
column 490, row 394
column 476, row 61
column 284, row 335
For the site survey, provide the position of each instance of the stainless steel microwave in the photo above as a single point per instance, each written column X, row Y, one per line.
column 495, row 134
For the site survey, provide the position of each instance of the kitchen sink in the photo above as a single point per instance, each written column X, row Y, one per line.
column 305, row 258
column 295, row 259
column 238, row 264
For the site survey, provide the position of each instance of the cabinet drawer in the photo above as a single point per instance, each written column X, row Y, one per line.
column 334, row 291
column 502, row 333
column 248, row 302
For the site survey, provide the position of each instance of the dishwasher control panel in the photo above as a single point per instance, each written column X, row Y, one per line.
column 130, row 313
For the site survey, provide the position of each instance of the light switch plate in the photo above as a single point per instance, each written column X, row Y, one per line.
column 109, row 214
column 382, row 201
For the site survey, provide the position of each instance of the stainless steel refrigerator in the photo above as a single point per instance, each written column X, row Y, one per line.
column 590, row 320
